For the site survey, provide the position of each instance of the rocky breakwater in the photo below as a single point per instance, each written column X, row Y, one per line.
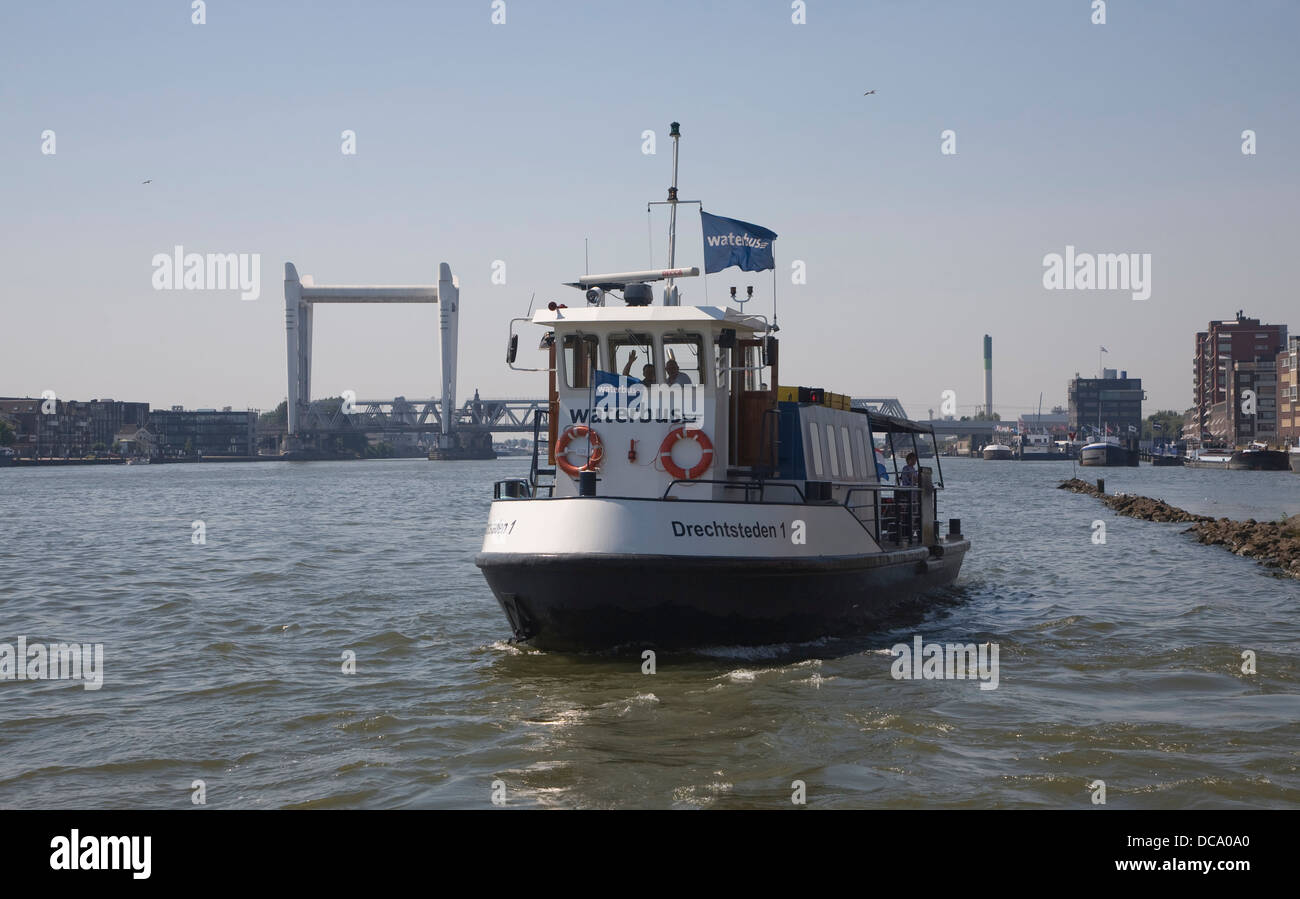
column 1273, row 543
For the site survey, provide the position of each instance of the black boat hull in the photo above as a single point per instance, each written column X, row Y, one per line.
column 599, row 601
column 1109, row 456
column 1260, row 460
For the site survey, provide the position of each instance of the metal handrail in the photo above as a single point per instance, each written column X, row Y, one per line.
column 758, row 484
column 875, row 490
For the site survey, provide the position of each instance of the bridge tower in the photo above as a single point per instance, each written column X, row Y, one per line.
column 301, row 295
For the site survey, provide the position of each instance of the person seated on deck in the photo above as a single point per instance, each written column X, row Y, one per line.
column 673, row 375
column 647, row 370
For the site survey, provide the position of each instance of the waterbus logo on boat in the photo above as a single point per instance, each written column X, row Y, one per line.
column 637, row 402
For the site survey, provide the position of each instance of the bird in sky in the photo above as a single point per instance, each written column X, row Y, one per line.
column 150, row 181
column 869, row 93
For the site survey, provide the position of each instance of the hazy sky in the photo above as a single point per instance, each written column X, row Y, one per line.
column 478, row 142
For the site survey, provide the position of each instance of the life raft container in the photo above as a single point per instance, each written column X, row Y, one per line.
column 666, row 453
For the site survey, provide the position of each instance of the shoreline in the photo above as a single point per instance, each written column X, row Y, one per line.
column 1274, row 544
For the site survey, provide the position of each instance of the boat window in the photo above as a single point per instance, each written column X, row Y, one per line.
column 848, row 451
column 753, row 374
column 830, row 451
column 815, row 444
column 580, row 359
column 687, row 351
column 631, row 354
column 868, row 468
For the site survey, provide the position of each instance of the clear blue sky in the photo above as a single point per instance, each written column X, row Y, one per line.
column 478, row 142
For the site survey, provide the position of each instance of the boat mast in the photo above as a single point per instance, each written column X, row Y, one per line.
column 670, row 292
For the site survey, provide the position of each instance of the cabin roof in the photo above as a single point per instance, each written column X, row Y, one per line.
column 650, row 315
column 890, row 424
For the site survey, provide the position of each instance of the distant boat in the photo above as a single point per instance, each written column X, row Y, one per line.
column 1039, row 448
column 998, row 451
column 1208, row 457
column 1163, row 457
column 1258, row 457
column 1107, row 453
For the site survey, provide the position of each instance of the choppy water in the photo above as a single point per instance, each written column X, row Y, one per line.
column 1119, row 662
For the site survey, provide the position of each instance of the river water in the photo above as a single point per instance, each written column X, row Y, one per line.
column 223, row 660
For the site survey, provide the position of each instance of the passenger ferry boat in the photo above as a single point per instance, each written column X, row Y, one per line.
column 682, row 497
column 997, row 451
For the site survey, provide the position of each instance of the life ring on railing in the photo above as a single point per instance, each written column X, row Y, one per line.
column 562, row 448
column 666, row 453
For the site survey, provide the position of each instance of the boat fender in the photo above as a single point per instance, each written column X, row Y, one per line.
column 666, row 453
column 631, row 451
column 562, row 447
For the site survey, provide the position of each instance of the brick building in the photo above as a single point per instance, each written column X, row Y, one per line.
column 1288, row 402
column 1224, row 343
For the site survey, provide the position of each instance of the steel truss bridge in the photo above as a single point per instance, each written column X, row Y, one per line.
column 402, row 416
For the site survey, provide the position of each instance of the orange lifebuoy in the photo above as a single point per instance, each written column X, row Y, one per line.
column 666, row 453
column 562, row 447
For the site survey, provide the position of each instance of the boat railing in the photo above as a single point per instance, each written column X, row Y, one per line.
column 893, row 519
column 535, row 473
column 750, row 486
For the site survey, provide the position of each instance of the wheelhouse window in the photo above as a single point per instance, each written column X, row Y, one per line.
column 633, row 355
column 684, row 359
column 815, row 445
column 868, row 462
column 830, row 451
column 581, row 358
column 848, row 451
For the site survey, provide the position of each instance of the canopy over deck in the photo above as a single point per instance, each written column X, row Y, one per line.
column 892, row 424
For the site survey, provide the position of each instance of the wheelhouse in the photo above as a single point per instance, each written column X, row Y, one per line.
column 684, row 403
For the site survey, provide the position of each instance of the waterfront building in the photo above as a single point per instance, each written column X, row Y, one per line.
column 1056, row 423
column 1232, row 420
column 179, row 432
column 70, row 428
column 1112, row 403
column 1224, row 342
column 1288, row 399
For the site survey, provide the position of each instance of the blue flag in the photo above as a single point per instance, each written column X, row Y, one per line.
column 729, row 242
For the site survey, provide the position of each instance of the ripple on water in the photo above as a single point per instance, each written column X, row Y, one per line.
column 1121, row 662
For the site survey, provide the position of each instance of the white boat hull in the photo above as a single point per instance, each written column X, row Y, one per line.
column 594, row 572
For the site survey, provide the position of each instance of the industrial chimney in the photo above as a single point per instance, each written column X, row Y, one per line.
column 988, row 375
